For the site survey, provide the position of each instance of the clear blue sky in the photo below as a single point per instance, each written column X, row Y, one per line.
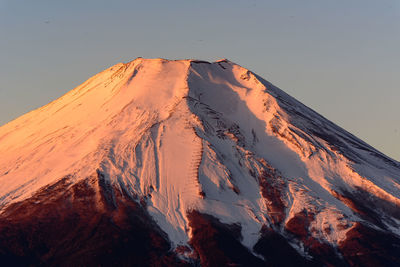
column 339, row 57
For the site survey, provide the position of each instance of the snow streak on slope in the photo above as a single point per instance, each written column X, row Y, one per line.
column 243, row 126
column 212, row 137
column 77, row 132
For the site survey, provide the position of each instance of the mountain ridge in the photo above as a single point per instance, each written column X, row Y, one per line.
column 190, row 140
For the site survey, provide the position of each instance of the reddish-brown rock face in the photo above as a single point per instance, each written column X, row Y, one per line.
column 92, row 224
column 365, row 246
column 218, row 244
column 85, row 224
column 272, row 188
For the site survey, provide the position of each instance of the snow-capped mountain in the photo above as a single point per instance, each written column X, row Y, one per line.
column 187, row 163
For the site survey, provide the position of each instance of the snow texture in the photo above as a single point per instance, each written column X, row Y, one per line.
column 192, row 135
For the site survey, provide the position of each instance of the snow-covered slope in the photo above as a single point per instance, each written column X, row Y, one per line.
column 183, row 138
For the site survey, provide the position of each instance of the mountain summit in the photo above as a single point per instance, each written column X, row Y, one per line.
column 186, row 163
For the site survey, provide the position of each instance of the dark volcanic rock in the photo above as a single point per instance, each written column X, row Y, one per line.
column 81, row 226
column 277, row 251
column 218, row 244
column 322, row 253
column 365, row 246
column 272, row 188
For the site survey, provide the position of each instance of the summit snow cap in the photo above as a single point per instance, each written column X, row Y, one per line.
column 189, row 135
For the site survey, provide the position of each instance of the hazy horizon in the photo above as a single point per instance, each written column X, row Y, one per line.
column 339, row 58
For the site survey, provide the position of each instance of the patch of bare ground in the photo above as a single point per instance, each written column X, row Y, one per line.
column 89, row 224
column 218, row 244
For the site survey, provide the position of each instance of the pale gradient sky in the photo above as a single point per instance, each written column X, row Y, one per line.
column 339, row 57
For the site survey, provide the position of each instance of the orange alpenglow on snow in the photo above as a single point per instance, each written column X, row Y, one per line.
column 187, row 144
